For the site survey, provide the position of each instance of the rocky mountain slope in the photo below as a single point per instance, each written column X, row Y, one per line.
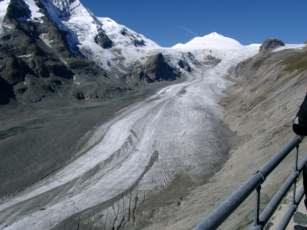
column 60, row 49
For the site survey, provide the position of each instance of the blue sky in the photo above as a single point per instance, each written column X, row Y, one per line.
column 171, row 21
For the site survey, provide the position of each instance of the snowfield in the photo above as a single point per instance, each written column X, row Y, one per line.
column 175, row 131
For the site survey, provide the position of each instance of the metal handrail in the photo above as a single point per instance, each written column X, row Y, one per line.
column 281, row 193
column 287, row 217
column 224, row 210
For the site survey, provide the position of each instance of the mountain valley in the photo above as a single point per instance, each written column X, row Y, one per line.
column 102, row 128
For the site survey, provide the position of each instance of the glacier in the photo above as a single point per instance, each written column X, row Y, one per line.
column 142, row 148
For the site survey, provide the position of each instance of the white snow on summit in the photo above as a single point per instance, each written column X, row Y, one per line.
column 210, row 41
column 127, row 47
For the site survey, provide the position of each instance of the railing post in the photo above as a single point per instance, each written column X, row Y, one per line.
column 257, row 224
column 297, row 173
column 305, row 183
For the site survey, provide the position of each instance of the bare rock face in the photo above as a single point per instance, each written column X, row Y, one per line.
column 18, row 9
column 103, row 40
column 157, row 69
column 137, row 41
column 6, row 92
column 184, row 65
column 271, row 44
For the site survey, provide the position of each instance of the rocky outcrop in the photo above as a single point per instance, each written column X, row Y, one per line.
column 6, row 92
column 103, row 40
column 18, row 10
column 30, row 70
column 271, row 44
column 137, row 41
column 184, row 65
column 156, row 68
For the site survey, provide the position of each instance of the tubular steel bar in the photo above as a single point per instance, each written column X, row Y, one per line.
column 277, row 198
column 258, row 202
column 282, row 192
column 223, row 211
column 275, row 161
column 287, row 217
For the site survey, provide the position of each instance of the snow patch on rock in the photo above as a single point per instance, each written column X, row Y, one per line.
column 3, row 8
column 36, row 15
column 125, row 37
column 131, row 44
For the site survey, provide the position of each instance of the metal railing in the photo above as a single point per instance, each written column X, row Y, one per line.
column 254, row 183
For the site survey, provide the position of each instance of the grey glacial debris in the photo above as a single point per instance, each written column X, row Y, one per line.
column 271, row 44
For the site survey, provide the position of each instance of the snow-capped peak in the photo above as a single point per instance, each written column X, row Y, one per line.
column 211, row 41
column 99, row 39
